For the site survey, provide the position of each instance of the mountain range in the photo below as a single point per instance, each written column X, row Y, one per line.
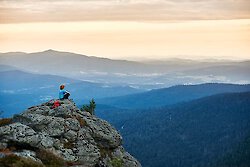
column 171, row 95
column 19, row 89
column 146, row 75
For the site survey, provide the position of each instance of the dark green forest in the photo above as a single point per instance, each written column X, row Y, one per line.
column 238, row 157
column 211, row 131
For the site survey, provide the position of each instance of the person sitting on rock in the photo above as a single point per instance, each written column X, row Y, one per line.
column 63, row 94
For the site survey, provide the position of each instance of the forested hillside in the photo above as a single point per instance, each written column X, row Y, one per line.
column 238, row 157
column 195, row 133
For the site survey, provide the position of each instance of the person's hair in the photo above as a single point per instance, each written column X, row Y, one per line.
column 62, row 87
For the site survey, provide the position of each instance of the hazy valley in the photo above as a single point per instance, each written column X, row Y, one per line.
column 142, row 75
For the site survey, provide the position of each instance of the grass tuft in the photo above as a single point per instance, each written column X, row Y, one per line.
column 49, row 159
column 16, row 161
column 5, row 121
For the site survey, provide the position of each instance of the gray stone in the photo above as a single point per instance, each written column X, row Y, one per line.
column 105, row 162
column 31, row 140
column 87, row 149
column 45, row 141
column 16, row 130
column 70, row 135
column 2, row 155
column 43, row 110
column 66, row 110
column 130, row 161
column 68, row 155
column 103, row 133
column 118, row 152
column 25, row 135
column 72, row 124
column 55, row 128
column 28, row 154
column 85, row 134
column 57, row 144
column 89, row 154
column 19, row 133
column 3, row 145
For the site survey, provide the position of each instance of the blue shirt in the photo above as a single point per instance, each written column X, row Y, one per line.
column 61, row 93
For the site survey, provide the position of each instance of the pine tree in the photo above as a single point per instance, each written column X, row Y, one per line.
column 89, row 108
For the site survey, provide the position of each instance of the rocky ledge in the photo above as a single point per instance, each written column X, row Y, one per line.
column 66, row 133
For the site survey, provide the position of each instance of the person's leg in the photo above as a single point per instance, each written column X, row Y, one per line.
column 66, row 95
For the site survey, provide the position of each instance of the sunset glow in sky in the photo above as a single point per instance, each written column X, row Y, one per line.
column 128, row 29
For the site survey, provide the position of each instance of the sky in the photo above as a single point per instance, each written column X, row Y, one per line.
column 128, row 29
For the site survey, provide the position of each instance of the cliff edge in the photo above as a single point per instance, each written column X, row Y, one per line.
column 62, row 136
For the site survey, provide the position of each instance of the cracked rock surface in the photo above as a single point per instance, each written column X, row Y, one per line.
column 67, row 132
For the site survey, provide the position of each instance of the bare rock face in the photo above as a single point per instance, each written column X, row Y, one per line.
column 67, row 132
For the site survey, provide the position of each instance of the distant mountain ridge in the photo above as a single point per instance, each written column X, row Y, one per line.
column 171, row 95
column 19, row 89
column 69, row 61
column 147, row 75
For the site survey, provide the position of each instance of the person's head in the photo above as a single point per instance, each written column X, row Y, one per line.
column 62, row 87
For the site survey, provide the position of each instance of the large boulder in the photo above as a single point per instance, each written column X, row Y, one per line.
column 77, row 137
column 103, row 133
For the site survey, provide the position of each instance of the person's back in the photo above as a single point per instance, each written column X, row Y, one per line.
column 63, row 94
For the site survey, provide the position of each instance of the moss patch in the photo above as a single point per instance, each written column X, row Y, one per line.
column 116, row 162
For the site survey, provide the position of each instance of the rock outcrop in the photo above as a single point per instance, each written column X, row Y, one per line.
column 67, row 132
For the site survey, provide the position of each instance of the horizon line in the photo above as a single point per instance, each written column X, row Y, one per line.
column 138, row 59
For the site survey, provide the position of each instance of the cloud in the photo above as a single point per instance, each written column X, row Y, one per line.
column 129, row 10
